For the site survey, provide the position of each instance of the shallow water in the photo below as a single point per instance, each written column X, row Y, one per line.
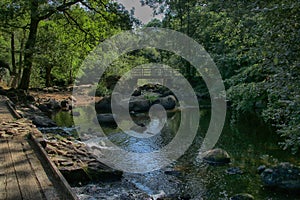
column 249, row 142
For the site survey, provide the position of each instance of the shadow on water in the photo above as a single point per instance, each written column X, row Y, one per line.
column 249, row 142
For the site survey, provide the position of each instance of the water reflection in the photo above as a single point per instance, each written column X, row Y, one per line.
column 249, row 142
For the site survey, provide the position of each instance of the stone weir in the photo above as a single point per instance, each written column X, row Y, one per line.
column 26, row 172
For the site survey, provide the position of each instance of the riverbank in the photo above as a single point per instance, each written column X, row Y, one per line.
column 249, row 142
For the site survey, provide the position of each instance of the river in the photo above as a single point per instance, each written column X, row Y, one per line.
column 249, row 142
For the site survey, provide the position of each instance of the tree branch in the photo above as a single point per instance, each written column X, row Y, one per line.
column 61, row 8
column 95, row 10
column 68, row 16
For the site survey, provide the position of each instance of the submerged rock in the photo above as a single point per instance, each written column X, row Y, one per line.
column 242, row 196
column 234, row 170
column 284, row 176
column 216, row 156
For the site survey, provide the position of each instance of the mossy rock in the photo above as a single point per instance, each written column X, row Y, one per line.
column 216, row 156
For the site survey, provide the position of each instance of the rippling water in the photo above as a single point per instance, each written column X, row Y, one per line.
column 249, row 142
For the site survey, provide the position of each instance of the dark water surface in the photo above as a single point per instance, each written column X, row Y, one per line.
column 249, row 142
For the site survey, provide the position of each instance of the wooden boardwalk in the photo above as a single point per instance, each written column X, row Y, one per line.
column 25, row 172
column 5, row 114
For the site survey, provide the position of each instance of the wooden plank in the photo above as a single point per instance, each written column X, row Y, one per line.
column 3, row 147
column 65, row 189
column 12, row 190
column 28, row 183
column 47, row 186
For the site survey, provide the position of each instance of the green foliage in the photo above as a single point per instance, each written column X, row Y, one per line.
column 151, row 97
column 256, row 46
column 246, row 96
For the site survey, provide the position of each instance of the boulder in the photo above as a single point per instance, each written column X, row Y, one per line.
column 111, row 81
column 106, row 118
column 137, row 92
column 216, row 156
column 139, row 105
column 167, row 93
column 41, row 121
column 284, row 176
column 53, row 104
column 168, row 102
column 242, row 196
column 104, row 105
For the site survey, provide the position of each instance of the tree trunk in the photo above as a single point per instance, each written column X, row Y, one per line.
column 13, row 75
column 21, row 56
column 48, row 76
column 29, row 46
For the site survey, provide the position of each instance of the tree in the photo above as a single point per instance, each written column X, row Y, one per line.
column 13, row 22
column 256, row 46
column 43, row 10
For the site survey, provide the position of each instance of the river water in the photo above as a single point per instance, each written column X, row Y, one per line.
column 249, row 142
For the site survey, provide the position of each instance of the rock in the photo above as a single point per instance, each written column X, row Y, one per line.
column 75, row 113
column 140, row 128
column 34, row 108
column 12, row 131
column 173, row 173
column 139, row 104
column 234, row 170
column 72, row 98
column 167, row 93
column 111, row 81
column 168, row 102
column 104, row 105
column 50, row 89
column 261, row 168
column 74, row 175
column 64, row 103
column 2, row 91
column 42, row 141
column 106, row 118
column 242, row 196
column 284, row 176
column 216, row 156
column 41, row 121
column 44, row 108
column 137, row 92
column 66, row 163
column 30, row 98
column 53, row 104
column 50, row 150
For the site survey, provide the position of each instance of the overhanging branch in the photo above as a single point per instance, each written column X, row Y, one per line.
column 61, row 8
